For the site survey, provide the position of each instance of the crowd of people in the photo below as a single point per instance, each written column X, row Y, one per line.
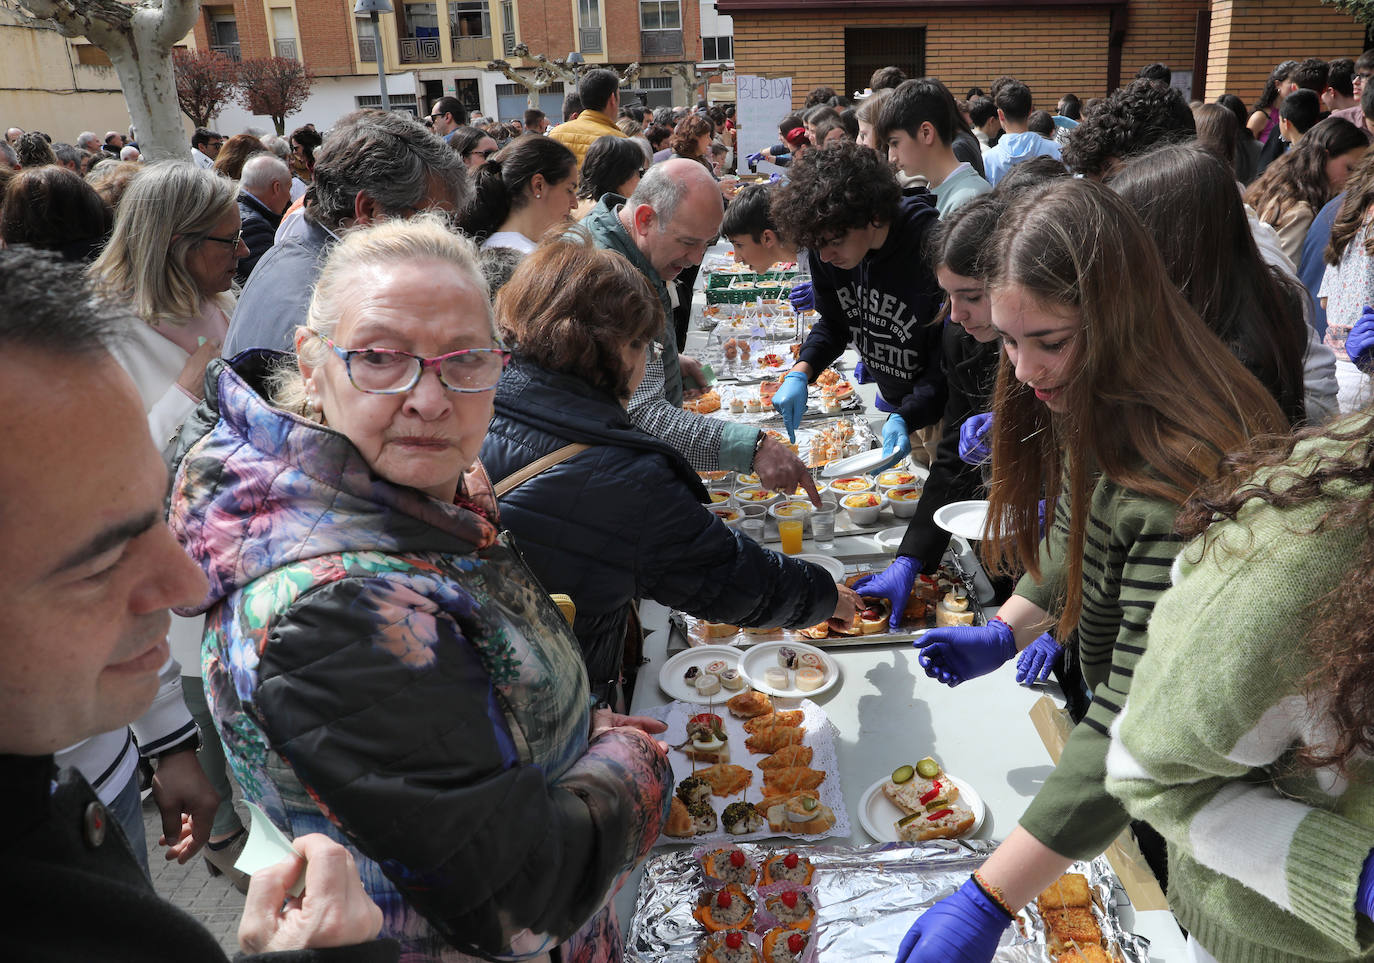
column 419, row 387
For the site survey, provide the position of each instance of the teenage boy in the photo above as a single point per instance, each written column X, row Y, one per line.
column 917, row 124
column 1299, row 113
column 865, row 241
column 751, row 231
column 1018, row 142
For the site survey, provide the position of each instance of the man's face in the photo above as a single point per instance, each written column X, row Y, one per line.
column 759, row 255
column 443, row 123
column 13, row 134
column 90, row 567
column 911, row 154
column 846, row 250
column 1358, row 81
column 676, row 245
column 541, row 127
column 212, row 146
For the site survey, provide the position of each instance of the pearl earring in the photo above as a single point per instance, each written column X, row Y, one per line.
column 537, row 196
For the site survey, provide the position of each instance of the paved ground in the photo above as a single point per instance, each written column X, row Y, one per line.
column 212, row 900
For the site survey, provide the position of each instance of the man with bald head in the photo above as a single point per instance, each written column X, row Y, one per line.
column 663, row 228
column 264, row 194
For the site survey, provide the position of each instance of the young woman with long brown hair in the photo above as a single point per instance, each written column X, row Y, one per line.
column 1247, row 739
column 1115, row 402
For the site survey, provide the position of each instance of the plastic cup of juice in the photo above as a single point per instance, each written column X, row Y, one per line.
column 790, row 531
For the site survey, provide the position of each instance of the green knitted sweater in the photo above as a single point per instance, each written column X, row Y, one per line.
column 1264, row 857
column 1128, row 547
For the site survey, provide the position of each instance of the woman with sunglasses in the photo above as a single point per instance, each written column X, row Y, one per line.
column 171, row 257
column 383, row 666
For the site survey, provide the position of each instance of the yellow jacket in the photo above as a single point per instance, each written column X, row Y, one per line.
column 579, row 133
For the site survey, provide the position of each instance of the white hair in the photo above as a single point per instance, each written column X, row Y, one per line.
column 262, row 170
column 88, row 140
column 129, row 153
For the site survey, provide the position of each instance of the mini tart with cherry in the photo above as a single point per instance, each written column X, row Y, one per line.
column 730, row 865
column 792, row 907
column 783, row 944
column 787, row 868
column 727, row 908
column 730, row 946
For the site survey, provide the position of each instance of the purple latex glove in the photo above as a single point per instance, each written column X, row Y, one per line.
column 861, row 374
column 1037, row 659
column 1359, row 343
column 755, row 158
column 973, row 439
column 963, row 928
column 955, row 654
column 775, row 178
column 893, row 584
column 802, row 297
column 1364, row 896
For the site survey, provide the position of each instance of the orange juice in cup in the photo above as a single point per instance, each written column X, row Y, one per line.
column 790, row 530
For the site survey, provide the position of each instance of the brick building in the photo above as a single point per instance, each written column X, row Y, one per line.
column 433, row 48
column 1055, row 46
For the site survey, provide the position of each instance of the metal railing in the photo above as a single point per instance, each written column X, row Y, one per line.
column 286, row 48
column 230, row 50
column 589, row 39
column 367, row 49
column 419, row 50
column 507, row 44
column 660, row 43
column 473, row 48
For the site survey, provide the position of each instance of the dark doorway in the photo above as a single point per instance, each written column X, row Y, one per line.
column 868, row 48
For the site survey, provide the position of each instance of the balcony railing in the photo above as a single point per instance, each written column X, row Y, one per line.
column 230, row 50
column 419, row 50
column 367, row 49
column 589, row 40
column 660, row 43
column 286, row 48
column 474, row 48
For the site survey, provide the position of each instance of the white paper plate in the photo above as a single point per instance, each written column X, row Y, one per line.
column 864, row 463
column 890, row 539
column 833, row 566
column 670, row 676
column 765, row 656
column 965, row 519
column 878, row 815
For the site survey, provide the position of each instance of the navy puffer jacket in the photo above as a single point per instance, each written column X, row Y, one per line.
column 624, row 520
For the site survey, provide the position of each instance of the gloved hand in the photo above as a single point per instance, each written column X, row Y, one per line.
column 802, row 297
column 1037, row 659
column 892, row 583
column 790, row 402
column 896, row 439
column 755, row 158
column 963, row 928
column 1364, row 896
column 775, row 178
column 955, row 654
column 1359, row 343
column 861, row 374
column 974, row 446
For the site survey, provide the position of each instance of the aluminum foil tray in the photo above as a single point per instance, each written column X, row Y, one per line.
column 868, row 898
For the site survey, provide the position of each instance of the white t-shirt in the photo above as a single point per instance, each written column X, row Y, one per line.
column 511, row 239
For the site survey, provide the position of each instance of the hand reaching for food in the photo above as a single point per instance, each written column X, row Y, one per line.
column 1037, row 659
column 974, row 446
column 955, row 654
column 896, row 437
column 963, row 928
column 893, row 584
column 790, row 401
column 846, row 605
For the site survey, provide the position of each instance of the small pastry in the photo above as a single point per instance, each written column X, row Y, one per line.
column 693, row 790
column 740, row 818
column 811, row 660
column 717, row 666
column 809, row 679
column 737, row 406
column 783, row 944
column 730, row 865
column 679, row 824
column 777, row 678
column 789, row 717
column 707, row 684
column 753, row 406
column 703, row 818
column 729, row 946
column 728, row 908
column 690, row 676
column 787, row 657
column 732, row 680
column 793, row 908
column 749, row 704
column 787, row 867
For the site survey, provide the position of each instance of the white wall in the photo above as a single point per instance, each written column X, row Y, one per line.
column 714, row 23
column 330, row 99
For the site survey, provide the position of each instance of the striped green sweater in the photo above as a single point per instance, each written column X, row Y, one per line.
column 1128, row 548
column 1264, row 857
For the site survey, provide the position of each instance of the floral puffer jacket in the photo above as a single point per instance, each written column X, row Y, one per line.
column 383, row 667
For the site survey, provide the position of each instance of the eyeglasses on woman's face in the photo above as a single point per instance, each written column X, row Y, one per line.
column 387, row 371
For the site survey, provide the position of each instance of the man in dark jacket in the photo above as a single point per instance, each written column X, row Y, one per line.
column 372, row 165
column 866, row 247
column 85, row 585
column 264, row 194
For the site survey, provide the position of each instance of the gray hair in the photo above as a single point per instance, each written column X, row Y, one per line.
column 8, row 154
column 167, row 210
column 389, row 157
column 88, row 140
column 425, row 237
column 262, row 170
column 277, row 145
column 666, row 185
column 647, row 148
column 129, row 153
column 50, row 306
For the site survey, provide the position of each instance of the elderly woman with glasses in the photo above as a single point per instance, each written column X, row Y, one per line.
column 383, row 667
column 622, row 520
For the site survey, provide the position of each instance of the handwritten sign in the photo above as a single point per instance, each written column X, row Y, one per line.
column 760, row 104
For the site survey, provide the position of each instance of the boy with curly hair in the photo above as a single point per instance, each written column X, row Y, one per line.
column 865, row 243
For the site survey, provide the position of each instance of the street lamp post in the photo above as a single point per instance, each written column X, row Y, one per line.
column 372, row 8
